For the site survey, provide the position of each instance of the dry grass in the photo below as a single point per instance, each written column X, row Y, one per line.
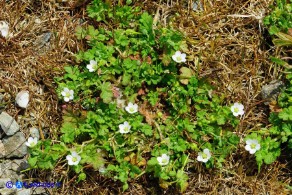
column 227, row 36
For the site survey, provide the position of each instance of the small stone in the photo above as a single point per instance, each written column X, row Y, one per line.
column 23, row 192
column 15, row 145
column 271, row 91
column 18, row 165
column 3, row 181
column 8, row 124
column 41, row 191
column 6, row 170
column 197, row 6
column 43, row 40
column 2, row 150
column 22, row 99
column 6, row 191
column 34, row 132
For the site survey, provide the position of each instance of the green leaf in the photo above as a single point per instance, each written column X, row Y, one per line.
column 273, row 30
column 286, row 114
column 81, row 177
column 221, row 120
column 106, row 92
column 147, row 130
column 68, row 129
column 125, row 186
column 152, row 162
column 58, row 147
column 80, row 32
column 186, row 74
column 32, row 161
column 93, row 158
column 182, row 180
column 126, row 79
column 269, row 158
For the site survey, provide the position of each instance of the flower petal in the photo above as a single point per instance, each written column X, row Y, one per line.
column 199, row 158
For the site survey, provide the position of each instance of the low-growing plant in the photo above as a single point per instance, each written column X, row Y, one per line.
column 277, row 136
column 143, row 110
column 279, row 132
column 280, row 19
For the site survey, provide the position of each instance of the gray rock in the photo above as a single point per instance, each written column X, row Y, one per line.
column 42, row 40
column 34, row 132
column 271, row 91
column 41, row 191
column 7, row 191
column 2, row 150
column 3, row 181
column 18, row 165
column 8, row 124
column 15, row 146
column 197, row 6
column 23, row 192
column 7, row 172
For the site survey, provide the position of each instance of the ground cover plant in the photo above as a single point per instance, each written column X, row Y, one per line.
column 137, row 63
column 148, row 100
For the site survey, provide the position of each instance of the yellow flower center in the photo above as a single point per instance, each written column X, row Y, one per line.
column 252, row 146
column 74, row 159
column 178, row 58
column 236, row 110
column 67, row 94
column 204, row 156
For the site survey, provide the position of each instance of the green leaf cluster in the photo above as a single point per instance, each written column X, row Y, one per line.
column 179, row 114
column 280, row 19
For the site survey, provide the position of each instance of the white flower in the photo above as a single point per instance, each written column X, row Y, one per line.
column 204, row 156
column 163, row 159
column 237, row 109
column 252, row 145
column 132, row 108
column 31, row 142
column 73, row 159
column 4, row 28
column 68, row 94
column 179, row 57
column 92, row 66
column 102, row 169
column 125, row 128
column 22, row 99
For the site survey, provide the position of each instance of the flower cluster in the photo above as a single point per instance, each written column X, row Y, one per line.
column 125, row 127
column 132, row 108
column 92, row 66
column 68, row 94
column 163, row 159
column 73, row 159
column 237, row 109
column 204, row 156
column 179, row 57
column 252, row 145
column 31, row 142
